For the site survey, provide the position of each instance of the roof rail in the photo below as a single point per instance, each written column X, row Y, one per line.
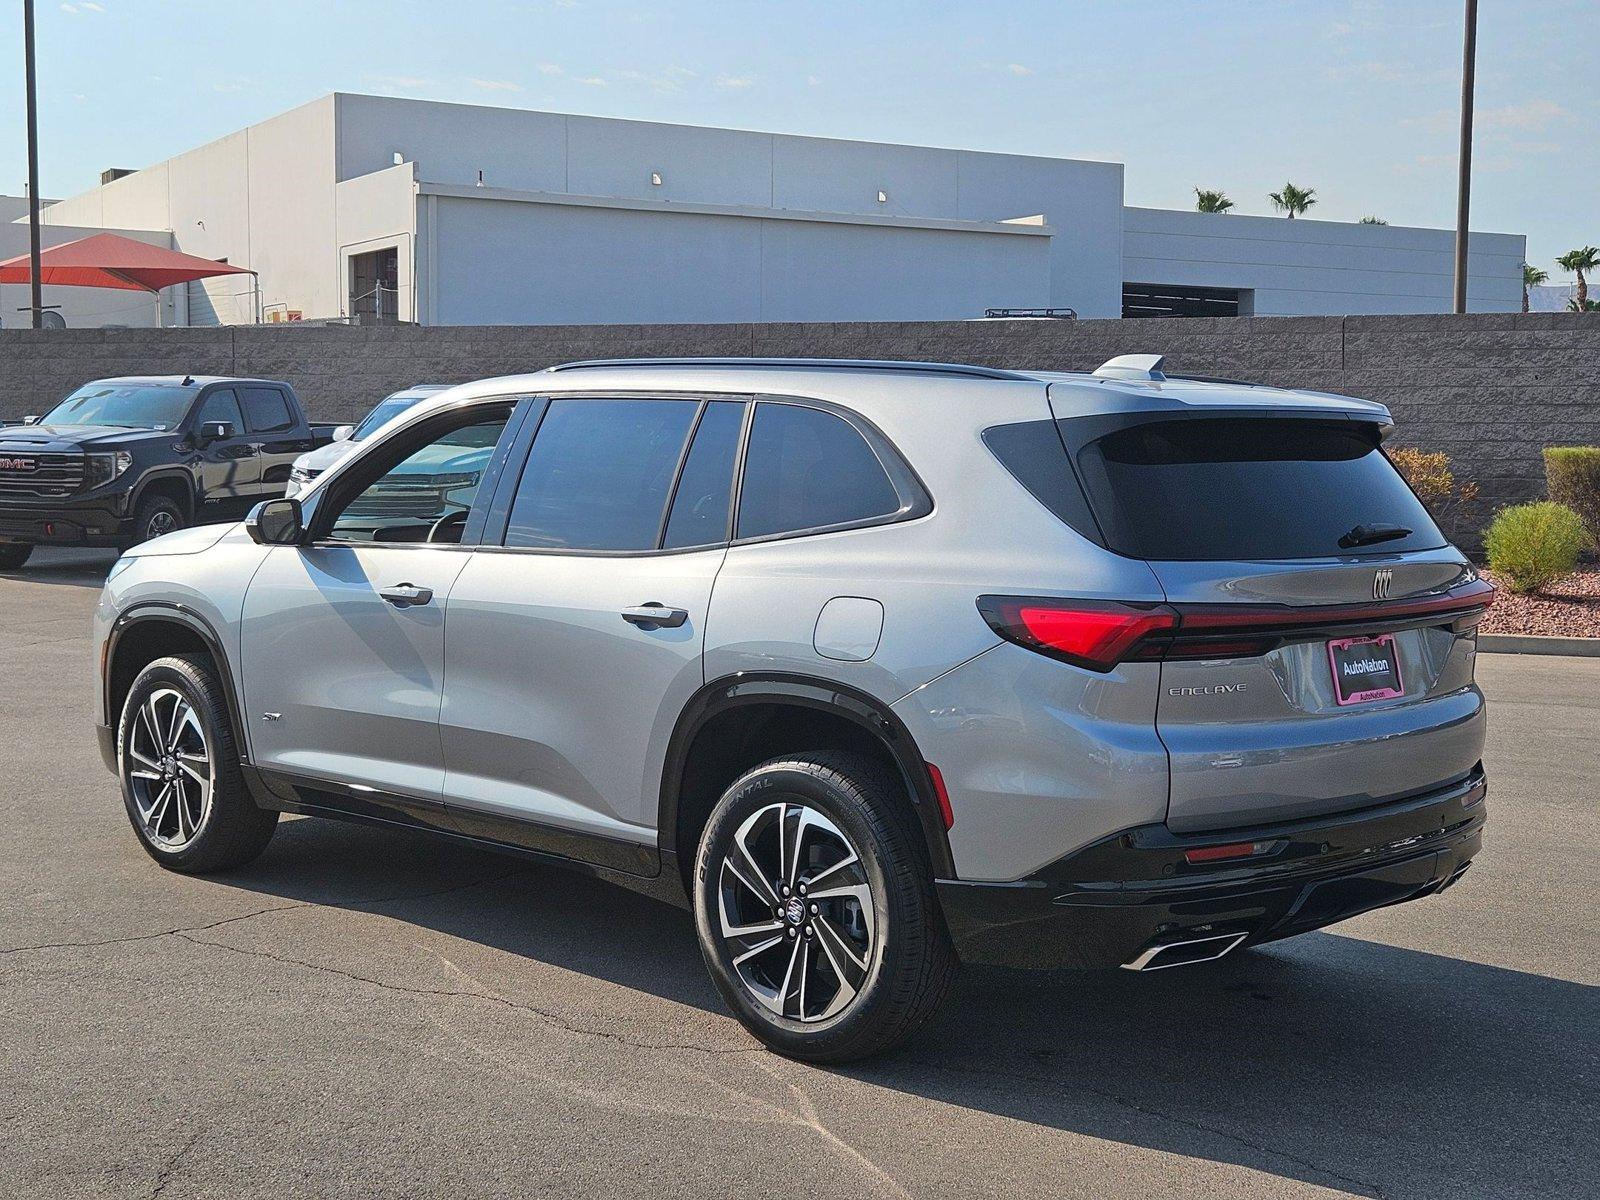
column 1132, row 366
column 836, row 364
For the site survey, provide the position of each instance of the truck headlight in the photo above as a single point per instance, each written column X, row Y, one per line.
column 101, row 469
column 301, row 477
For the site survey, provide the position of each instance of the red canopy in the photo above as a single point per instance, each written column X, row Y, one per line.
column 106, row 260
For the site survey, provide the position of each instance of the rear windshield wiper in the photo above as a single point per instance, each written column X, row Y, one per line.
column 1367, row 535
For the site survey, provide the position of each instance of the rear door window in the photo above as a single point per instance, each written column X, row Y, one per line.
column 809, row 469
column 705, row 489
column 1250, row 488
column 599, row 474
column 267, row 409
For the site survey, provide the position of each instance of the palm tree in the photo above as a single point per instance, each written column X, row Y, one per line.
column 1293, row 200
column 1532, row 277
column 1579, row 261
column 1211, row 202
column 1372, row 221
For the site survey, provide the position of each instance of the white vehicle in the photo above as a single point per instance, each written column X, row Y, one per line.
column 313, row 463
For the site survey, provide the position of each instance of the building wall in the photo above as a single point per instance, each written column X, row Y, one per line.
column 262, row 198
column 1304, row 267
column 1492, row 390
column 592, row 156
column 80, row 307
column 518, row 259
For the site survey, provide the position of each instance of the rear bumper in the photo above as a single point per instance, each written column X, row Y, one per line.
column 1117, row 899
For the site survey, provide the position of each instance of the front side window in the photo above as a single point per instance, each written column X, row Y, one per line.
column 599, row 474
column 428, row 494
column 809, row 469
column 267, row 409
column 221, row 405
column 123, row 406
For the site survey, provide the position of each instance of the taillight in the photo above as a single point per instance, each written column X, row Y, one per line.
column 1099, row 634
column 1093, row 634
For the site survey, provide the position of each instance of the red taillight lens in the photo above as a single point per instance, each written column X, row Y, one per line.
column 1093, row 634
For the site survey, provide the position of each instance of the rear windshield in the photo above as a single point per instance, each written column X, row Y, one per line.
column 1251, row 488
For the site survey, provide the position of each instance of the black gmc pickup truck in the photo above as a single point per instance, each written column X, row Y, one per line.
column 121, row 461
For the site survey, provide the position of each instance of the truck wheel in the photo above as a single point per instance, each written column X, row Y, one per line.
column 14, row 554
column 179, row 767
column 815, row 907
column 155, row 516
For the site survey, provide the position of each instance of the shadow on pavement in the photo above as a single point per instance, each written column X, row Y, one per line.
column 75, row 568
column 1354, row 1065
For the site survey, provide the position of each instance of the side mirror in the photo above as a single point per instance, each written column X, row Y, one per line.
column 214, row 431
column 275, row 523
column 32, row 420
column 343, row 432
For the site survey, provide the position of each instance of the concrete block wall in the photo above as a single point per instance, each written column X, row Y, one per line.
column 1492, row 390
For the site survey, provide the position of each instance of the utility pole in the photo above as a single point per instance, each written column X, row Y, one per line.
column 1469, row 58
column 36, row 293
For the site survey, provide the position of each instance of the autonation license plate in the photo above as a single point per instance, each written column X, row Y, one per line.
column 1365, row 669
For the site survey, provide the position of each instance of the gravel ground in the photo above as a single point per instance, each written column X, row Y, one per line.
column 1570, row 607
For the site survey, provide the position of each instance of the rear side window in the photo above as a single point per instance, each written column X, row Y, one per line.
column 1249, row 488
column 705, row 490
column 267, row 409
column 599, row 474
column 806, row 469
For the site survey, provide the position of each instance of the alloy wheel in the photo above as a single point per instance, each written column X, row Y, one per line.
column 161, row 522
column 168, row 767
column 796, row 912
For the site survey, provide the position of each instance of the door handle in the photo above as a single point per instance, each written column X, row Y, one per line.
column 405, row 595
column 655, row 616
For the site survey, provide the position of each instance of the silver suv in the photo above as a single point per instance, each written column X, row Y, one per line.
column 880, row 666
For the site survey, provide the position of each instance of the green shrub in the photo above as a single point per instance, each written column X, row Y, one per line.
column 1531, row 545
column 1573, row 475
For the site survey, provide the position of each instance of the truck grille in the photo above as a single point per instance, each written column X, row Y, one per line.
column 44, row 475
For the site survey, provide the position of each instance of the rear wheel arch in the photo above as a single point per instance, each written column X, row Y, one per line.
column 736, row 723
column 152, row 631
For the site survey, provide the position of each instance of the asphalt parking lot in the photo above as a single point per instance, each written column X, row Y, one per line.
column 363, row 1013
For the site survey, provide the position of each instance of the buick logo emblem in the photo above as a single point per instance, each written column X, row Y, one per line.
column 1381, row 581
column 18, row 464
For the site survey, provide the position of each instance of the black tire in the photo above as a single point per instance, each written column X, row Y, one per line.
column 154, row 516
column 910, row 963
column 14, row 554
column 230, row 830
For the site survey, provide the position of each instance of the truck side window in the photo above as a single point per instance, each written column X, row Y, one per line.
column 221, row 405
column 268, row 409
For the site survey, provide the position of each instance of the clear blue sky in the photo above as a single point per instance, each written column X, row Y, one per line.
column 1356, row 98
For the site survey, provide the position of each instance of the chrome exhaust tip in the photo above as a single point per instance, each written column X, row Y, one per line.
column 1184, row 952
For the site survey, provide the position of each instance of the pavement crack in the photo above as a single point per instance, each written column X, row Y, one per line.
column 549, row 1018
column 261, row 912
column 164, row 1174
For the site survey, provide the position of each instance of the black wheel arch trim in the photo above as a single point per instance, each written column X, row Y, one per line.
column 178, row 475
column 805, row 691
column 165, row 610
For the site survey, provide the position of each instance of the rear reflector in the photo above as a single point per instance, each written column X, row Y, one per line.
column 1099, row 634
column 1207, row 854
column 942, row 796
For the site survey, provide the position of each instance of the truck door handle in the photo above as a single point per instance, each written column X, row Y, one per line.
column 655, row 616
column 405, row 595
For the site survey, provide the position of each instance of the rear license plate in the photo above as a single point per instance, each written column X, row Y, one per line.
column 1365, row 669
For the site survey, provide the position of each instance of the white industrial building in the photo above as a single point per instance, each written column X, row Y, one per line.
column 377, row 208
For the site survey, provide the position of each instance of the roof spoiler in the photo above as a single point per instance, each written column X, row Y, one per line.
column 1133, row 366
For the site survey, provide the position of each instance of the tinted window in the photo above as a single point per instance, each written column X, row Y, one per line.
column 221, row 405
column 267, row 409
column 427, row 495
column 1248, row 489
column 599, row 473
column 386, row 411
column 806, row 468
column 700, row 505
